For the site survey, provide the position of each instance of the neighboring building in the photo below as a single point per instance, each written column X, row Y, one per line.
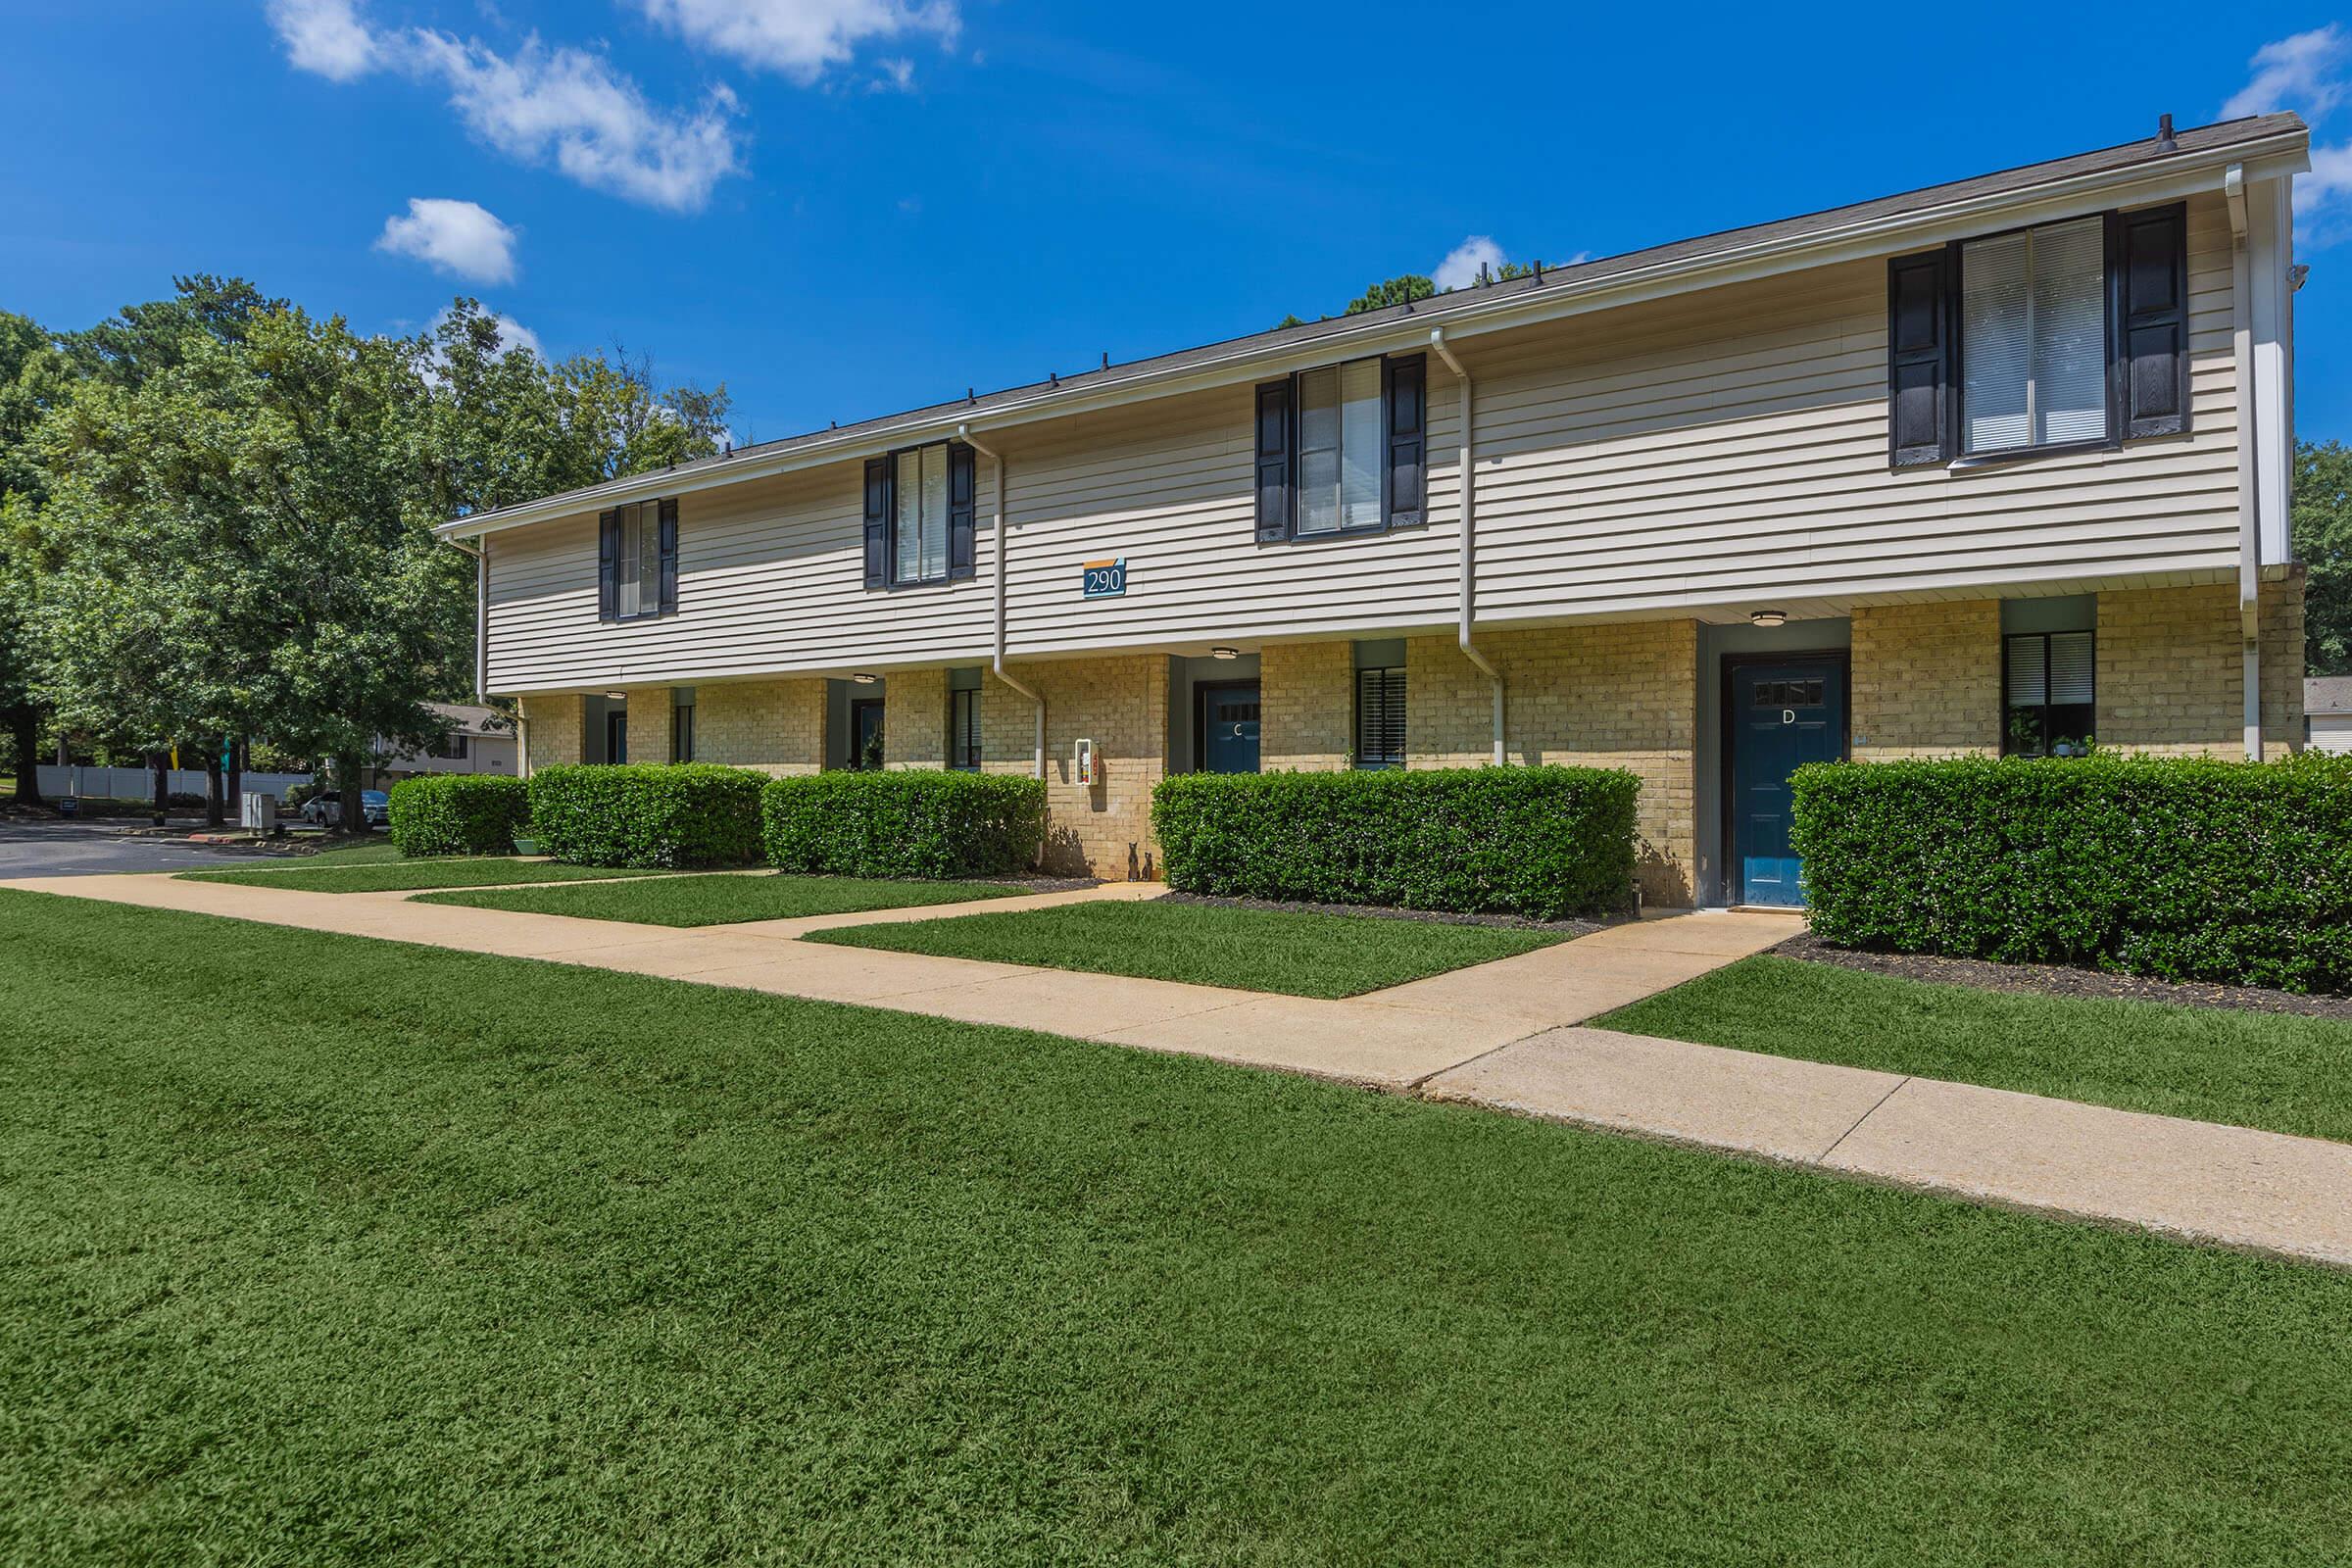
column 477, row 740
column 1998, row 464
column 2328, row 713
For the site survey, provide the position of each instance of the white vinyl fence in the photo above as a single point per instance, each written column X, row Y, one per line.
column 137, row 784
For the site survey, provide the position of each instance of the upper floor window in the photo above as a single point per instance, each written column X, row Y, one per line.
column 1340, row 449
column 2033, row 337
column 918, row 515
column 637, row 561
column 2060, row 337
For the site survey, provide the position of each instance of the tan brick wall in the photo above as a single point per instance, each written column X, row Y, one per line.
column 1595, row 696
column 777, row 726
column 1927, row 680
column 649, row 723
column 1121, row 705
column 2172, row 670
column 915, row 718
column 554, row 725
column 1307, row 706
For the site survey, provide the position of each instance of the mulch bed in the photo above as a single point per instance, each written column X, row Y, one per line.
column 2058, row 980
column 1035, row 884
column 1574, row 928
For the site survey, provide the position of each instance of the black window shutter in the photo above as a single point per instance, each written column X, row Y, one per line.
column 607, row 563
column 2151, row 259
column 1274, row 462
column 1919, row 353
column 669, row 604
column 877, row 522
column 1406, row 387
column 960, row 477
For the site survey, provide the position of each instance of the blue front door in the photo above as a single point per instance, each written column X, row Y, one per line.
column 1783, row 714
column 1229, row 728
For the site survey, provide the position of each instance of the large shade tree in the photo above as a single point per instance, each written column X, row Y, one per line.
column 2323, row 526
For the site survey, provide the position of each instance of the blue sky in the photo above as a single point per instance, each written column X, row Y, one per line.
column 842, row 208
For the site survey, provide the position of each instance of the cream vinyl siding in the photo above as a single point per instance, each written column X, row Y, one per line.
column 1705, row 452
column 1731, row 448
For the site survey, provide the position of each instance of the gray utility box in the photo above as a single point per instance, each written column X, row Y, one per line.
column 256, row 812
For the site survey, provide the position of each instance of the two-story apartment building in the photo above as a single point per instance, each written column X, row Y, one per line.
column 1995, row 465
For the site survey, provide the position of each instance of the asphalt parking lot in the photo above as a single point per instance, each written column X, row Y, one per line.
column 91, row 849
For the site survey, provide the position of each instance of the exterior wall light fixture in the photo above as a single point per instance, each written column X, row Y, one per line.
column 1769, row 617
column 1224, row 652
column 863, row 678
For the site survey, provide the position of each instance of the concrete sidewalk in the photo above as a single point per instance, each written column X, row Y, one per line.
column 1505, row 1036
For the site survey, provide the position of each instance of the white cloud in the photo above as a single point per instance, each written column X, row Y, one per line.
column 559, row 105
column 573, row 108
column 1460, row 268
column 799, row 37
column 897, row 75
column 2312, row 72
column 2302, row 72
column 325, row 37
column 460, row 237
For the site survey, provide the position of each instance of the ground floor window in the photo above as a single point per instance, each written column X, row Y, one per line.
column 681, row 732
column 964, row 730
column 2048, row 700
column 865, row 734
column 617, row 737
column 1380, row 717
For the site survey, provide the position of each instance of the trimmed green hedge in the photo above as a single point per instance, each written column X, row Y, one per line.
column 646, row 814
column 1542, row 842
column 904, row 824
column 459, row 813
column 2179, row 868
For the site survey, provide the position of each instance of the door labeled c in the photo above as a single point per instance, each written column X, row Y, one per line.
column 1229, row 728
column 1779, row 716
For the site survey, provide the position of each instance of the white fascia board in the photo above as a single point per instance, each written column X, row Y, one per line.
column 2170, row 179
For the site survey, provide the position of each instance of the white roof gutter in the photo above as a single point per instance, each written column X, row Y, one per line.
column 2164, row 178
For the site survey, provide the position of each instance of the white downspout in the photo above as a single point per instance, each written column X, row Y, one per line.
column 1469, row 553
column 2249, row 537
column 963, row 433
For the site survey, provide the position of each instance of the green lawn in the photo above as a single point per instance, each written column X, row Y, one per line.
column 2288, row 1075
column 369, row 872
column 725, row 900
column 1253, row 950
column 605, row 1269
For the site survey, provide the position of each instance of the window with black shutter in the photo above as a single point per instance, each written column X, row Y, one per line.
column 919, row 515
column 1342, row 450
column 2058, row 337
column 637, row 561
column 1380, row 717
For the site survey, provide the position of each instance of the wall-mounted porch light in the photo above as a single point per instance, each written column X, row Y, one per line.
column 1769, row 617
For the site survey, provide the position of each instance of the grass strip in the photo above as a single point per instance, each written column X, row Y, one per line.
column 691, row 900
column 1297, row 954
column 2276, row 1071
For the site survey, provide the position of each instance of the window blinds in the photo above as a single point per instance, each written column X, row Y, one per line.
column 1341, row 447
column 2033, row 337
column 1379, row 718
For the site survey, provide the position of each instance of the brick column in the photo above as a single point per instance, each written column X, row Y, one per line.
column 555, row 727
column 1927, row 680
column 1307, row 706
column 776, row 726
column 915, row 718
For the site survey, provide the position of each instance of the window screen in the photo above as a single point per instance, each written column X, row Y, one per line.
column 1380, row 717
column 2051, row 704
column 2033, row 337
column 1340, row 447
column 629, row 566
column 919, row 552
column 964, row 730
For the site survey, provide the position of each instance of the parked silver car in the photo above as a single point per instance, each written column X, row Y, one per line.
column 325, row 810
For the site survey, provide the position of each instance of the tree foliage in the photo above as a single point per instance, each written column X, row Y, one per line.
column 221, row 509
column 2323, row 530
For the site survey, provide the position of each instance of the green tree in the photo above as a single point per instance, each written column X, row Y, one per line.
column 1400, row 290
column 2323, row 532
column 36, row 375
